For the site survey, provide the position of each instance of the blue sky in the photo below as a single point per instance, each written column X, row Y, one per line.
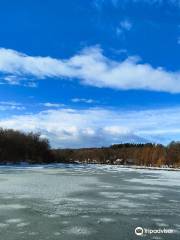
column 91, row 73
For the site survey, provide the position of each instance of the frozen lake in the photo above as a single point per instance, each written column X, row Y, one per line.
column 72, row 202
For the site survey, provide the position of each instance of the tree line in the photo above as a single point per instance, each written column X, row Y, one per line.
column 138, row 154
column 16, row 147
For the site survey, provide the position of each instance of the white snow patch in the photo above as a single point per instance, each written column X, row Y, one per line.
column 14, row 220
column 12, row 206
column 106, row 220
column 23, row 224
column 79, row 231
column 57, row 233
column 3, row 225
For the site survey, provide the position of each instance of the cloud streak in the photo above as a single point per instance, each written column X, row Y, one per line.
column 52, row 105
column 83, row 100
column 99, row 3
column 10, row 105
column 92, row 68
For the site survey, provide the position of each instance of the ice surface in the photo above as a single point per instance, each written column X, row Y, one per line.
column 75, row 202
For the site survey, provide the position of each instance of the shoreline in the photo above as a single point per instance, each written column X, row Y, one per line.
column 154, row 168
column 27, row 165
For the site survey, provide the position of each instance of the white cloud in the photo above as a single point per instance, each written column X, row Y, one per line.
column 119, row 31
column 99, row 3
column 17, row 80
column 12, row 80
column 91, row 67
column 160, row 2
column 10, row 105
column 126, row 25
column 30, row 84
column 98, row 126
column 52, row 105
column 178, row 41
column 116, row 130
column 83, row 100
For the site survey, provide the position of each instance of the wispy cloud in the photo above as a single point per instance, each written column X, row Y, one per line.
column 17, row 80
column 126, row 25
column 9, row 105
column 83, row 100
column 178, row 40
column 160, row 2
column 92, row 68
column 52, row 105
column 100, row 3
column 98, row 126
column 12, row 80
